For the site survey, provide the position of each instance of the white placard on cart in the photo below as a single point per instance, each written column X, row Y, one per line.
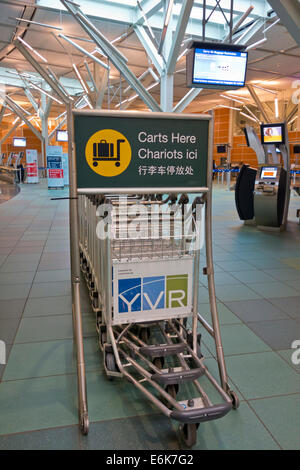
column 151, row 290
column 32, row 166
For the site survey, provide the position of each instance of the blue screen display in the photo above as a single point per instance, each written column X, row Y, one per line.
column 217, row 67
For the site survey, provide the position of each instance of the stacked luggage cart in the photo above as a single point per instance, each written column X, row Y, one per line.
column 151, row 348
column 140, row 256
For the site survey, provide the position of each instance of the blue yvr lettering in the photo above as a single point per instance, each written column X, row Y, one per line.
column 152, row 293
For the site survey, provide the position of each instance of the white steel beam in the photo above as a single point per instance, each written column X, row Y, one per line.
column 289, row 13
column 149, row 47
column 11, row 130
column 18, row 111
column 183, row 19
column 186, row 100
column 258, row 103
column 109, row 50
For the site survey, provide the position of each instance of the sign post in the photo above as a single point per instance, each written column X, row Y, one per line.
column 32, row 166
column 55, row 172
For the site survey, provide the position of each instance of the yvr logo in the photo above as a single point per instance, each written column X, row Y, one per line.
column 152, row 293
column 2, row 353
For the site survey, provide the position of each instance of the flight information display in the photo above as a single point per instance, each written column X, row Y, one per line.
column 219, row 67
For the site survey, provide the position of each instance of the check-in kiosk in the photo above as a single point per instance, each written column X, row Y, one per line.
column 262, row 194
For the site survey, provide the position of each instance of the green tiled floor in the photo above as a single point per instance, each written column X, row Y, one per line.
column 258, row 289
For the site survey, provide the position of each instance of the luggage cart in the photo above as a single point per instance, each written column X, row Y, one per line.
column 156, row 349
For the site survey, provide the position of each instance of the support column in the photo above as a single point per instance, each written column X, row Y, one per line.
column 167, row 80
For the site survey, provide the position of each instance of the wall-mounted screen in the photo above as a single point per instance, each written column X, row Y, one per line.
column 272, row 134
column 19, row 142
column 217, row 66
column 268, row 172
column 62, row 136
column 221, row 149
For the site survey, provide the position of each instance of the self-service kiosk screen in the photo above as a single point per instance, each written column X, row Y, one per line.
column 272, row 134
column 268, row 172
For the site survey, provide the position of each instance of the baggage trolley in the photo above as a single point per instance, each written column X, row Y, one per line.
column 144, row 290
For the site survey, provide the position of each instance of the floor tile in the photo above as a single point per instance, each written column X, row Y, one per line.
column 47, row 328
column 11, row 308
column 14, row 292
column 281, row 416
column 18, row 267
column 278, row 334
column 48, row 305
column 246, row 432
column 238, row 339
column 8, row 329
column 236, row 265
column 235, row 292
column 52, row 276
column 16, row 278
column 225, row 315
column 50, row 289
column 254, row 275
column 255, row 310
column 137, row 433
column 262, row 375
column 50, row 358
column 37, row 403
column 118, row 398
column 290, row 305
column 292, row 356
column 274, row 289
column 287, row 274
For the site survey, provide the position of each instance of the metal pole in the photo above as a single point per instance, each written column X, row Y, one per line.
column 75, row 279
column 210, row 268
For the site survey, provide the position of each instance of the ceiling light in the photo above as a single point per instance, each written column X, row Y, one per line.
column 248, row 117
column 80, row 78
column 276, row 107
column 32, row 50
column 232, row 99
column 271, row 25
column 255, row 44
column 37, row 24
column 265, row 89
column 45, row 93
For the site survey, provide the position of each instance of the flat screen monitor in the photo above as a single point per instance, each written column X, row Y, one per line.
column 296, row 148
column 268, row 172
column 216, row 66
column 221, row 149
column 19, row 142
column 62, row 136
column 272, row 133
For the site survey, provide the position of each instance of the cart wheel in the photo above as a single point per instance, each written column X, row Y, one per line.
column 102, row 337
column 111, row 365
column 98, row 319
column 84, row 424
column 189, row 434
column 95, row 164
column 159, row 362
column 145, row 334
column 117, row 163
column 235, row 399
column 95, row 302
